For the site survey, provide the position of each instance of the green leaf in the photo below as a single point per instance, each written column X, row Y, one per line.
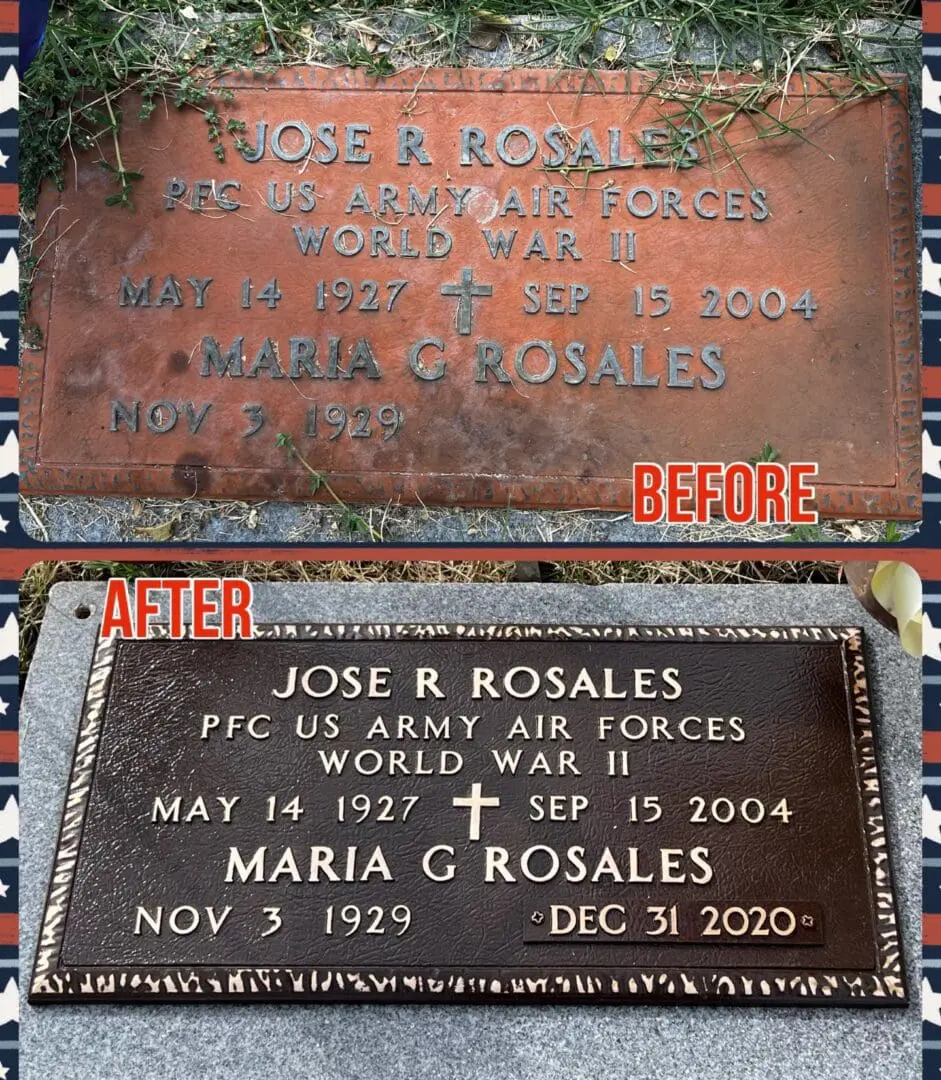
column 801, row 534
column 768, row 453
column 160, row 532
column 893, row 534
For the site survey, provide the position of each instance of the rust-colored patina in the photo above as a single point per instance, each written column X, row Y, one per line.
column 485, row 288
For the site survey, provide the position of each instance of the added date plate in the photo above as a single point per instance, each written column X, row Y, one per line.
column 476, row 813
column 482, row 287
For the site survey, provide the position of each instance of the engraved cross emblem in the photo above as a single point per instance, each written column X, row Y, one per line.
column 474, row 802
column 466, row 290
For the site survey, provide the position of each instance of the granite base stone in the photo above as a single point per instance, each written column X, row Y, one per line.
column 456, row 1042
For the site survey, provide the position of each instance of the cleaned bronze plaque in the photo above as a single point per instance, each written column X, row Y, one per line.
column 476, row 813
column 483, row 287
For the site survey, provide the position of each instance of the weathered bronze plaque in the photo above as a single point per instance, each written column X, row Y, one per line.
column 476, row 813
column 483, row 287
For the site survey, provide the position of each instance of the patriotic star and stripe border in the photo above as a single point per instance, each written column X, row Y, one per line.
column 20, row 550
column 931, row 536
column 10, row 533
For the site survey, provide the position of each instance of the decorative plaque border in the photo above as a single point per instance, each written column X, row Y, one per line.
column 883, row 985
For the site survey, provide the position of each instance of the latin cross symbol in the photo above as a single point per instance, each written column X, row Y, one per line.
column 466, row 290
column 475, row 801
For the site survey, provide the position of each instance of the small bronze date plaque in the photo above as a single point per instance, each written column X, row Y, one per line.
column 475, row 814
column 612, row 921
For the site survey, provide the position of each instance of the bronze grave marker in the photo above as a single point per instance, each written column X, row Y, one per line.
column 476, row 813
column 482, row 287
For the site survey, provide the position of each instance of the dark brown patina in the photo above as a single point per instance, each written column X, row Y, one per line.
column 476, row 813
column 509, row 295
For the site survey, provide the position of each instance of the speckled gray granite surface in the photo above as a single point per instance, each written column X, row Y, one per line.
column 430, row 1042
